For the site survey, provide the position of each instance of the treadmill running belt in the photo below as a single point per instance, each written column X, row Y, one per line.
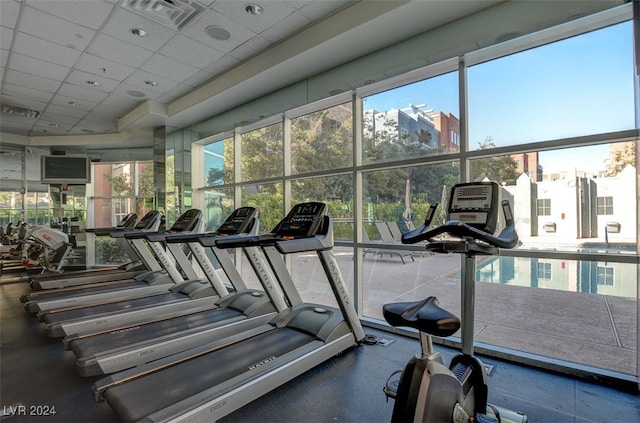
column 115, row 339
column 51, row 295
column 118, row 307
column 134, row 400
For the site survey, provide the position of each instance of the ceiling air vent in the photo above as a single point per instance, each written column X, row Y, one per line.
column 19, row 111
column 172, row 13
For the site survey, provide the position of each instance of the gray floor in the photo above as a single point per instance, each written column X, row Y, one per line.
column 36, row 371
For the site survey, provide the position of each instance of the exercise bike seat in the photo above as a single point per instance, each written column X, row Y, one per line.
column 426, row 316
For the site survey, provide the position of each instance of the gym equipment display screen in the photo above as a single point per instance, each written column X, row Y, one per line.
column 302, row 221
column 475, row 203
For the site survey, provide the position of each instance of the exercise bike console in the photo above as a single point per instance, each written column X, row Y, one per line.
column 429, row 391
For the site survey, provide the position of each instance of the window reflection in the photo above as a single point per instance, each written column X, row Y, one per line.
column 417, row 120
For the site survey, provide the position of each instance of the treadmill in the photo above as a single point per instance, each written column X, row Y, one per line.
column 188, row 297
column 153, row 282
column 241, row 310
column 40, row 300
column 211, row 381
column 103, row 310
column 59, row 280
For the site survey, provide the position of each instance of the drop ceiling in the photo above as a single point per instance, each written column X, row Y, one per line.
column 93, row 81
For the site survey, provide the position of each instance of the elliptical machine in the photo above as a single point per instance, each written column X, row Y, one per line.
column 428, row 391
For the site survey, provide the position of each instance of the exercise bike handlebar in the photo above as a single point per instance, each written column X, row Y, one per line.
column 508, row 238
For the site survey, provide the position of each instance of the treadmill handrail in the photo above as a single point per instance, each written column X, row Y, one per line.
column 235, row 241
column 190, row 237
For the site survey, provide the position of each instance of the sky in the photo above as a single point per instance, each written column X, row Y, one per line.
column 580, row 86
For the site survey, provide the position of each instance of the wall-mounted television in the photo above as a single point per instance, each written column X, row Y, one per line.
column 65, row 170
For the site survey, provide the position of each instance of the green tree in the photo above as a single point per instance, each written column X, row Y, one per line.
column 321, row 141
column 626, row 156
column 262, row 153
column 502, row 169
column 121, row 184
column 146, row 187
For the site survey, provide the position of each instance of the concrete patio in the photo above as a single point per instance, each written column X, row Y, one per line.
column 586, row 329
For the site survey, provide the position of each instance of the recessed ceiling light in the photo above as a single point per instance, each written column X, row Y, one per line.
column 54, row 125
column 369, row 81
column 73, row 103
column 93, row 83
column 218, row 33
column 253, row 9
column 151, row 83
column 134, row 93
column 138, row 32
column 104, row 70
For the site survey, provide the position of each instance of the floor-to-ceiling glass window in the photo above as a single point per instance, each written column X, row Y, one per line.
column 118, row 189
column 553, row 125
column 570, row 287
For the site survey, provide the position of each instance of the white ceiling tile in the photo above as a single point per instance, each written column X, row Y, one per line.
column 95, row 65
column 57, row 118
column 30, row 81
column 239, row 34
column 118, row 51
column 37, row 67
column 6, row 36
column 89, row 13
column 65, row 111
column 112, row 112
column 26, row 92
column 272, row 11
column 123, row 21
column 45, row 50
column 137, row 80
column 83, row 104
column 190, row 51
column 44, row 67
column 80, row 78
column 169, row 68
column 53, row 124
column 120, row 100
column 9, row 11
column 57, row 30
column 16, row 121
column 292, row 24
column 82, row 93
column 48, row 130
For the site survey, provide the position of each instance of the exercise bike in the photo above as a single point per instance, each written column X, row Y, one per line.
column 428, row 391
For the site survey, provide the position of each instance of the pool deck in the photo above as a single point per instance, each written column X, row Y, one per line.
column 579, row 329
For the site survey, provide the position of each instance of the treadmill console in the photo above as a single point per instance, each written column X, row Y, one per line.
column 476, row 204
column 238, row 222
column 187, row 221
column 128, row 222
column 148, row 220
column 304, row 220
